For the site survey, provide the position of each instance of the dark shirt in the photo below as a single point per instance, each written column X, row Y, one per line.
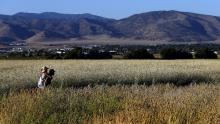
column 48, row 80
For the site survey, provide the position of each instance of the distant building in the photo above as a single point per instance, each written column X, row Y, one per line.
column 112, row 52
column 17, row 50
column 216, row 52
column 67, row 48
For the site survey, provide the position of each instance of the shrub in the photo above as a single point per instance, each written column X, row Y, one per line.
column 205, row 54
column 184, row 55
column 95, row 54
column 52, row 56
column 139, row 54
column 74, row 54
column 171, row 53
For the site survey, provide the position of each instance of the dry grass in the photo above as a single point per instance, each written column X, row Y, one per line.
column 154, row 96
column 79, row 72
column 198, row 104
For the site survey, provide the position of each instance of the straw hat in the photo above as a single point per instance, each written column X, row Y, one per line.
column 44, row 68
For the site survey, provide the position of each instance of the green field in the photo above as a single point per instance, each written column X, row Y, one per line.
column 111, row 91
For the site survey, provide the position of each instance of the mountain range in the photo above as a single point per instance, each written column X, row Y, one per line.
column 163, row 26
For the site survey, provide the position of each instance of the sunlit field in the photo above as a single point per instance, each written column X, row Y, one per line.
column 111, row 91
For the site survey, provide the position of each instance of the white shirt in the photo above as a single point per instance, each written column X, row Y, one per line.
column 41, row 83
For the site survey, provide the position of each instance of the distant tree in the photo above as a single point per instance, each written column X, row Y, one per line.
column 74, row 54
column 168, row 53
column 16, row 55
column 183, row 55
column 58, row 57
column 53, row 56
column 171, row 53
column 95, row 54
column 139, row 54
column 205, row 53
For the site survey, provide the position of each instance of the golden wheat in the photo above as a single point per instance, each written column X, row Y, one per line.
column 114, row 71
column 116, row 104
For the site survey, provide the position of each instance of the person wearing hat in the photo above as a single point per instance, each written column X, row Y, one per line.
column 43, row 77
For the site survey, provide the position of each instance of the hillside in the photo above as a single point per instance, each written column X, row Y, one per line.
column 170, row 26
column 158, row 26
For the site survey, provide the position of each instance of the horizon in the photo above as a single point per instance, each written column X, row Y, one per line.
column 105, row 16
column 110, row 9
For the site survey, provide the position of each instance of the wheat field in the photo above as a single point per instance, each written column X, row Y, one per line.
column 111, row 91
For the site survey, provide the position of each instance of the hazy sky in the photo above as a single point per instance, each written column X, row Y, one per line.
column 109, row 8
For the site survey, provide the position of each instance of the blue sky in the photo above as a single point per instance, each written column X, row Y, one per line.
column 109, row 8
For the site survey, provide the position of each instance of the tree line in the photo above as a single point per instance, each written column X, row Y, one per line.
column 166, row 53
column 141, row 53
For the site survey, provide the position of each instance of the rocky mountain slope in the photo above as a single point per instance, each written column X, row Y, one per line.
column 170, row 26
